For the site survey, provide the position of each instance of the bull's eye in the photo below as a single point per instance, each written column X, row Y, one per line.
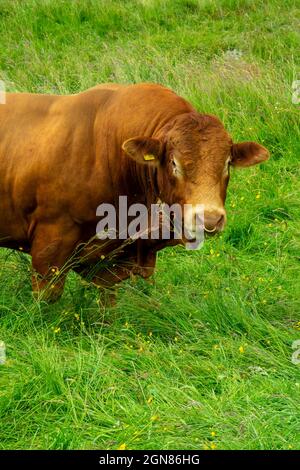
column 174, row 166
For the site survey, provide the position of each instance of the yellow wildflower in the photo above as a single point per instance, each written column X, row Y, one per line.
column 122, row 447
column 154, row 418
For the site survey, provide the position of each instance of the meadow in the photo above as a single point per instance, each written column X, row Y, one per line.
column 201, row 356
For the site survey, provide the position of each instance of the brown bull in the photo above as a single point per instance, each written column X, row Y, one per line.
column 62, row 156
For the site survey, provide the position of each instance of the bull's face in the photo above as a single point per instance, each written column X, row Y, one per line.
column 193, row 155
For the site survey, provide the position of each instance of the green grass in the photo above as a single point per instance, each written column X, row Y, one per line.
column 206, row 348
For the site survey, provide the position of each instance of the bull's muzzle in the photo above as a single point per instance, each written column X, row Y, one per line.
column 214, row 221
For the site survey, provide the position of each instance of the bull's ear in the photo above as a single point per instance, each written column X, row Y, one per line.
column 145, row 150
column 248, row 153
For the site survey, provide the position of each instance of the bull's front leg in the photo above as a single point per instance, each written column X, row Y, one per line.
column 106, row 276
column 52, row 248
column 107, row 273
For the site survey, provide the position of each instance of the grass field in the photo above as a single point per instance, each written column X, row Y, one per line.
column 201, row 357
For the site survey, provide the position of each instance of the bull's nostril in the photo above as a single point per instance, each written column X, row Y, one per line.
column 213, row 222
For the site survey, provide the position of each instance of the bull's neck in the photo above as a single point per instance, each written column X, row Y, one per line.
column 139, row 182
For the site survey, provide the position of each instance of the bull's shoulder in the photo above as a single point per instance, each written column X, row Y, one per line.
column 157, row 96
column 133, row 89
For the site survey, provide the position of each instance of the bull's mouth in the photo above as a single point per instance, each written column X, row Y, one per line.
column 192, row 235
column 214, row 231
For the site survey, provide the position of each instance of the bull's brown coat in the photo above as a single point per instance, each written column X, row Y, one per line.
column 62, row 156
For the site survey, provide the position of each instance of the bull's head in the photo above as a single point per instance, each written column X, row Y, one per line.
column 193, row 155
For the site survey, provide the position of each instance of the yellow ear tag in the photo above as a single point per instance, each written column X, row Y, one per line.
column 149, row 157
